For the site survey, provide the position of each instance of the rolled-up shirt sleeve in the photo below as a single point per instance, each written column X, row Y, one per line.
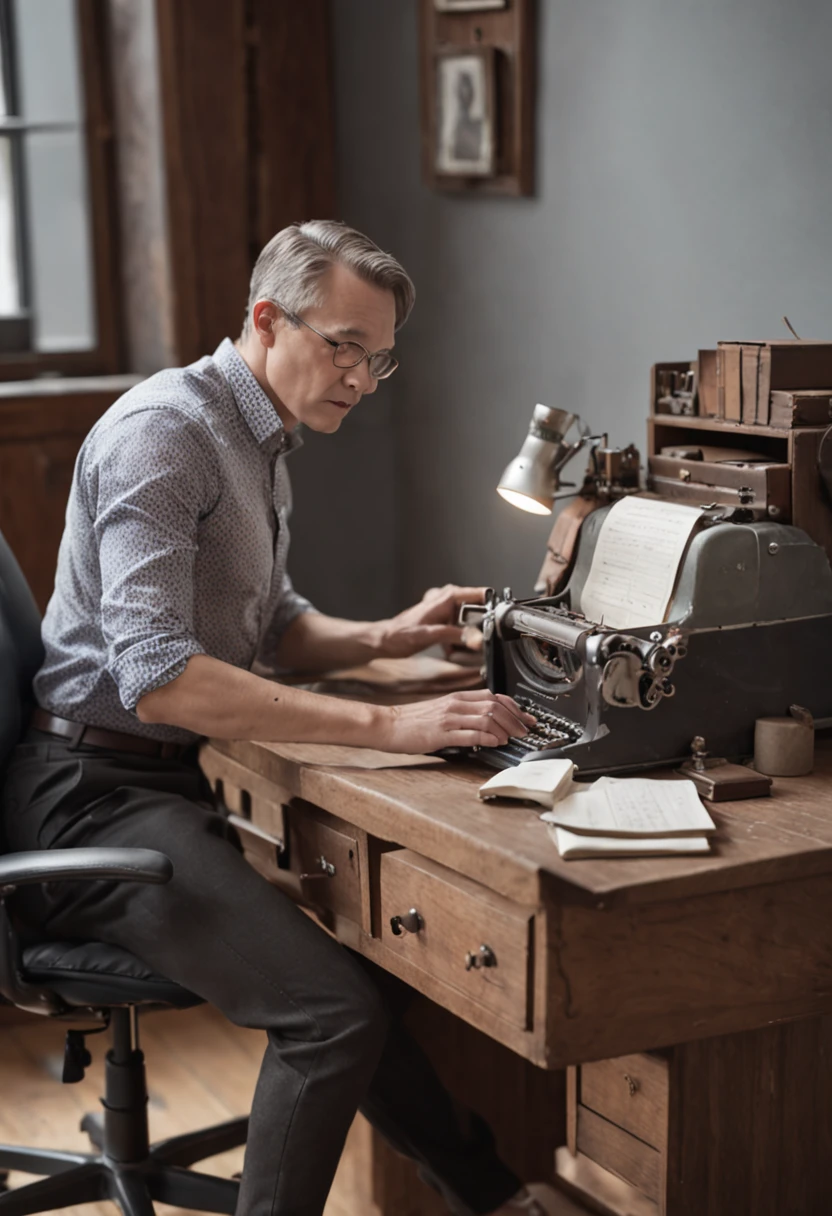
column 146, row 511
column 290, row 606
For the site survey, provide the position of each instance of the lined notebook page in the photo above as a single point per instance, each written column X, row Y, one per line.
column 636, row 560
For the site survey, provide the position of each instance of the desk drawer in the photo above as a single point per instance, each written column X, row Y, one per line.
column 462, row 934
column 325, row 857
column 620, row 1153
column 618, row 1116
column 630, row 1091
column 314, row 858
column 765, row 485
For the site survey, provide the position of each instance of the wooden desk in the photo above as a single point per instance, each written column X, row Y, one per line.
column 685, row 998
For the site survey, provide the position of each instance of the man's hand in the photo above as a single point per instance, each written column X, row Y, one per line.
column 433, row 620
column 461, row 719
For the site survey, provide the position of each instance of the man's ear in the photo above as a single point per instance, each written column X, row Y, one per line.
column 264, row 316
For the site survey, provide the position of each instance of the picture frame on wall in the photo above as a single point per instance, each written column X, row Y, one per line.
column 477, row 95
column 466, row 119
column 467, row 6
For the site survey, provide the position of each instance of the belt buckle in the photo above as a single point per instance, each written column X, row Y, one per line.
column 76, row 738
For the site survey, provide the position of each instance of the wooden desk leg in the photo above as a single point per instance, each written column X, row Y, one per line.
column 750, row 1126
column 524, row 1105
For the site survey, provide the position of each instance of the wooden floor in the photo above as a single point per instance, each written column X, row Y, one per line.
column 201, row 1070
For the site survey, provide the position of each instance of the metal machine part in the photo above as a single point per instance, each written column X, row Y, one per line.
column 747, row 634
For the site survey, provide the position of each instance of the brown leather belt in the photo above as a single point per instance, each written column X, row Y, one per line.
column 113, row 740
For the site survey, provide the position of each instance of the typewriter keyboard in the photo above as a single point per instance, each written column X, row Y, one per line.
column 552, row 730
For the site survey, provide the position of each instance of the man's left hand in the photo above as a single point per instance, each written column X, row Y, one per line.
column 430, row 622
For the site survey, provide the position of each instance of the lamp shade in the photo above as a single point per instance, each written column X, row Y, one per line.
column 532, row 479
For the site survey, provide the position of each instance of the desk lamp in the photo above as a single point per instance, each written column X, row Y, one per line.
column 532, row 480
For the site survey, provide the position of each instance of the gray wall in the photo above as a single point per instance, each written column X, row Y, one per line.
column 684, row 185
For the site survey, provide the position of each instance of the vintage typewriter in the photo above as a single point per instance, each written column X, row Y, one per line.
column 748, row 632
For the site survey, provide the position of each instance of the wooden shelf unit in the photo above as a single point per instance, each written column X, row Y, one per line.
column 810, row 507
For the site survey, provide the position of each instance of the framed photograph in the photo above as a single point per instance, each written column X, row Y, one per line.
column 466, row 129
column 467, row 6
column 477, row 95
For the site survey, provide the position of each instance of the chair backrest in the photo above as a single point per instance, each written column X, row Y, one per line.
column 21, row 649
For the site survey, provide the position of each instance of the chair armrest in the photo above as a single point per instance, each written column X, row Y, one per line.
column 131, row 865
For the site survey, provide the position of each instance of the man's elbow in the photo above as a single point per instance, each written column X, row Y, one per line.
column 150, row 708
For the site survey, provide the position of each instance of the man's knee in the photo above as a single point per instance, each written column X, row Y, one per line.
column 359, row 1014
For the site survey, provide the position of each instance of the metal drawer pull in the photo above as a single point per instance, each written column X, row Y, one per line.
column 411, row 922
column 484, row 957
column 631, row 1085
column 326, row 867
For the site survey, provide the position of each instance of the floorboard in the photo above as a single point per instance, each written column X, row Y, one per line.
column 201, row 1070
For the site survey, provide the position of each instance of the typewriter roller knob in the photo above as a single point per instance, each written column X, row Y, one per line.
column 484, row 957
column 411, row 922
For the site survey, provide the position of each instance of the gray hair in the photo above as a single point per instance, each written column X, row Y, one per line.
column 290, row 268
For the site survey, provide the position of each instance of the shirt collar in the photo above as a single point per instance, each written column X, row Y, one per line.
column 255, row 407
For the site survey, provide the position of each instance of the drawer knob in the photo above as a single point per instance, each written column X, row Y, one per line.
column 632, row 1085
column 326, row 870
column 484, row 957
column 411, row 922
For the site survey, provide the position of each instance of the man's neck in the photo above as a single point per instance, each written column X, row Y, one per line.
column 255, row 357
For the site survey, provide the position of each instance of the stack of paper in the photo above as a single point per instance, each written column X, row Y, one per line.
column 632, row 816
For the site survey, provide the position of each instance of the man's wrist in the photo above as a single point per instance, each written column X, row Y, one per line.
column 378, row 638
column 372, row 725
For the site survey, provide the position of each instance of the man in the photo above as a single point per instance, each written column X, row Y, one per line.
column 171, row 607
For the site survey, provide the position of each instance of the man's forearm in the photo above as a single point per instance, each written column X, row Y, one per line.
column 217, row 699
column 314, row 642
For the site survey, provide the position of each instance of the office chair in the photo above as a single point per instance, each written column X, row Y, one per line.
column 93, row 986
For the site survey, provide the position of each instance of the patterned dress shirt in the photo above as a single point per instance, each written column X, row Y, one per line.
column 175, row 544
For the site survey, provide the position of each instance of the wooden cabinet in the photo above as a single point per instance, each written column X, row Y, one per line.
column 773, row 470
column 42, row 427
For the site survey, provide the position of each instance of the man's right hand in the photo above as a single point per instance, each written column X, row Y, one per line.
column 460, row 719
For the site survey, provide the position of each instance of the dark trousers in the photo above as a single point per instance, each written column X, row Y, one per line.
column 219, row 929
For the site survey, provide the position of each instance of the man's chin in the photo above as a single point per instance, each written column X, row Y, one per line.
column 326, row 420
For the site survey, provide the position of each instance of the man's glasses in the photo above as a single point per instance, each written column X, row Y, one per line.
column 382, row 363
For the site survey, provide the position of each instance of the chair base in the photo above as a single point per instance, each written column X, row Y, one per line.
column 126, row 1169
column 132, row 1187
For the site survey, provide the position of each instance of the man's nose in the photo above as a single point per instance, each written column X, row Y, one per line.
column 359, row 380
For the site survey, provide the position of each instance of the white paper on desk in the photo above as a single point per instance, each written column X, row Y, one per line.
column 635, row 562
column 571, row 846
column 633, row 807
column 543, row 781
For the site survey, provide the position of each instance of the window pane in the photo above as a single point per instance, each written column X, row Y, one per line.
column 5, row 109
column 9, row 277
column 59, row 241
column 48, row 60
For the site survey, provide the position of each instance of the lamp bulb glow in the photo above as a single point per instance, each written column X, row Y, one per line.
column 524, row 502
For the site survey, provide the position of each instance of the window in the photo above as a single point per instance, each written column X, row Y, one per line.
column 49, row 288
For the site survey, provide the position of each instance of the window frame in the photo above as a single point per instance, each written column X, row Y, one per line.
column 105, row 357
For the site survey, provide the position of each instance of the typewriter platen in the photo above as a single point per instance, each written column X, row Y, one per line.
column 749, row 632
